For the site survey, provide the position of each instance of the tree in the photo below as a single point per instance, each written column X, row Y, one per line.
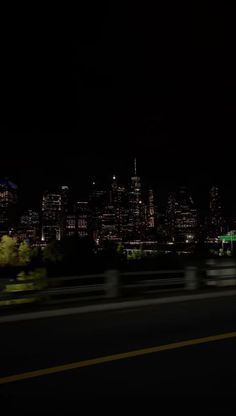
column 36, row 256
column 136, row 254
column 120, row 249
column 24, row 253
column 53, row 253
column 8, row 251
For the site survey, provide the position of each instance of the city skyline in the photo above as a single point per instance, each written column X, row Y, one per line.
column 118, row 211
column 32, row 187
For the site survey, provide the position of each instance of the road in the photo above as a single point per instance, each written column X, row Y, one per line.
column 201, row 371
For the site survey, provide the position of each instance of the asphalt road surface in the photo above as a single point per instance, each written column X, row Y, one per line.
column 134, row 355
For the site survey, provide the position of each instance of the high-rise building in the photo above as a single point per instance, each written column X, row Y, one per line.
column 181, row 216
column 109, row 223
column 150, row 217
column 151, row 210
column 30, row 218
column 170, row 216
column 122, row 209
column 8, row 206
column 52, row 222
column 215, row 223
column 65, row 210
column 29, row 227
column 135, row 206
column 97, row 202
column 116, row 214
column 114, row 193
column 70, row 225
column 82, row 216
column 185, row 217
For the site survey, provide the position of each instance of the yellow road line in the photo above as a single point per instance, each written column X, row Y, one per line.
column 114, row 357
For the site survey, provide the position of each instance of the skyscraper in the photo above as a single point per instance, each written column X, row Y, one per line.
column 185, row 217
column 215, row 223
column 121, row 206
column 70, row 228
column 109, row 223
column 82, row 216
column 151, row 209
column 181, row 216
column 135, row 205
column 29, row 227
column 170, row 216
column 65, row 220
column 97, row 202
column 51, row 216
column 8, row 206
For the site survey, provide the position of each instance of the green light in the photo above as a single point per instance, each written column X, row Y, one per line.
column 227, row 237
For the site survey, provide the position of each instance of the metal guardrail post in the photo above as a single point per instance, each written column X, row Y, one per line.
column 191, row 278
column 112, row 283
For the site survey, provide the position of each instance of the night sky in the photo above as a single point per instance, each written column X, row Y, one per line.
column 152, row 82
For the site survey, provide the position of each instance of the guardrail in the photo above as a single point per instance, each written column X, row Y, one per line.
column 113, row 284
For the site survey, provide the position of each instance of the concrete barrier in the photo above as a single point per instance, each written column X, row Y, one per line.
column 191, row 278
column 221, row 273
column 112, row 283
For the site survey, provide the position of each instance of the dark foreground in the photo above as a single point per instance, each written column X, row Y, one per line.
column 201, row 375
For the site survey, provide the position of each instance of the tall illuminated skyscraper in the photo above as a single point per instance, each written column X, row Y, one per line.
column 109, row 223
column 215, row 212
column 181, row 216
column 70, row 225
column 97, row 202
column 8, row 206
column 65, row 219
column 185, row 217
column 122, row 211
column 135, row 205
column 116, row 214
column 29, row 227
column 170, row 216
column 151, row 210
column 82, row 216
column 52, row 223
